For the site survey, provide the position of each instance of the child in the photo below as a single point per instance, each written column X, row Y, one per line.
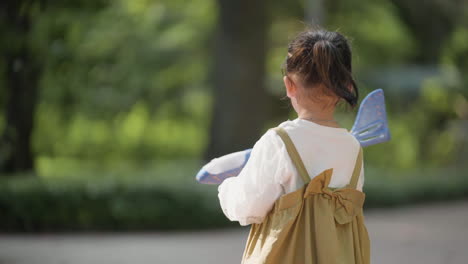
column 301, row 189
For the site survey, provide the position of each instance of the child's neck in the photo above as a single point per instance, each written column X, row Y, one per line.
column 319, row 115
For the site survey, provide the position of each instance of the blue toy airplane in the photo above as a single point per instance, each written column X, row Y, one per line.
column 370, row 128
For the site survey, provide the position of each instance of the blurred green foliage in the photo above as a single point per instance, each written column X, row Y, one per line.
column 128, row 83
column 125, row 83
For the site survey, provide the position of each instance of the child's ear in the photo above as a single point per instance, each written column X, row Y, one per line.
column 290, row 87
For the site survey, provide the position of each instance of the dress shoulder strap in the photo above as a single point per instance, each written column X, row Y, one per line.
column 357, row 170
column 293, row 154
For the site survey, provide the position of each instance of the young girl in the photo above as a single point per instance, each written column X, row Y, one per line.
column 301, row 189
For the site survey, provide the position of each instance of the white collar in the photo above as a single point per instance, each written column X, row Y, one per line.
column 300, row 121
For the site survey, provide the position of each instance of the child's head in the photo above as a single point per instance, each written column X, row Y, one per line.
column 318, row 70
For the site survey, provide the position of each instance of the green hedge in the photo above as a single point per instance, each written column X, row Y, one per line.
column 392, row 189
column 109, row 204
column 37, row 205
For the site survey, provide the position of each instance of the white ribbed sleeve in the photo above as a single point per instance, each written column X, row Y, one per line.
column 248, row 197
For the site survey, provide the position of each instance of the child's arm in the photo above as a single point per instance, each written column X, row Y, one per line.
column 248, row 197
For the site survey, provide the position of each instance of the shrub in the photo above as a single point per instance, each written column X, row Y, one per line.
column 59, row 205
column 142, row 203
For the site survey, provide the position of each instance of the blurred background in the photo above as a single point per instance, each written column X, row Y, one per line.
column 109, row 108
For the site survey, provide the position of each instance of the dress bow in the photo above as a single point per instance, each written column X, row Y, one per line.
column 348, row 201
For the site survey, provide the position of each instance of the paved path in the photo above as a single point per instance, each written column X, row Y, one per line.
column 429, row 234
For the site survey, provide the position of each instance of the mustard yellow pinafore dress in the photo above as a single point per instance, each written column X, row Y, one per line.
column 313, row 225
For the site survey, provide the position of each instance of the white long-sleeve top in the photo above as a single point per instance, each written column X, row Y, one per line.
column 270, row 173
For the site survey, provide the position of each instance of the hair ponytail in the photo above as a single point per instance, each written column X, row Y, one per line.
column 322, row 59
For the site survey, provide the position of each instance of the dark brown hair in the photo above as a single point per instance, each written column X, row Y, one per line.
column 321, row 57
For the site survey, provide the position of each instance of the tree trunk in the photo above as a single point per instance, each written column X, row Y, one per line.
column 22, row 73
column 241, row 102
column 315, row 13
